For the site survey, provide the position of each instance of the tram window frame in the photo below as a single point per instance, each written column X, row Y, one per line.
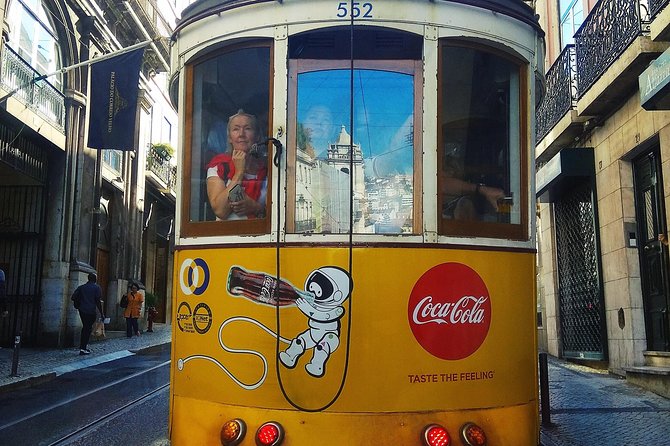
column 474, row 228
column 410, row 67
column 256, row 226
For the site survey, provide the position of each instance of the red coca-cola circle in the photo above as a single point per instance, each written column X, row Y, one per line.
column 449, row 311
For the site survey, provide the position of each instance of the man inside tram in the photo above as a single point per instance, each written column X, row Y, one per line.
column 464, row 199
column 237, row 179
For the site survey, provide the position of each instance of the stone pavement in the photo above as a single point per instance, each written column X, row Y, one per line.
column 593, row 407
column 40, row 364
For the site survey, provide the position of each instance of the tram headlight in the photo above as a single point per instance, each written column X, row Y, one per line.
column 435, row 435
column 233, row 432
column 270, row 434
column 473, row 435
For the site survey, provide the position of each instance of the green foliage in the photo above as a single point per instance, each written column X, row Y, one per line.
column 150, row 299
column 164, row 150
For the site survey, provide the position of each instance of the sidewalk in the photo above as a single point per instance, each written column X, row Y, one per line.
column 593, row 407
column 42, row 364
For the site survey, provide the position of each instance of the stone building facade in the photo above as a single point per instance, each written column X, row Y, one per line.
column 603, row 185
column 66, row 209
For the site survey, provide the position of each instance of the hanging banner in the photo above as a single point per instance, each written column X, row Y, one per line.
column 113, row 104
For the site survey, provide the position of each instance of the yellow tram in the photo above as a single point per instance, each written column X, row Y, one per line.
column 355, row 251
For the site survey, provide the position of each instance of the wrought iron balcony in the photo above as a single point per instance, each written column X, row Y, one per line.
column 608, row 30
column 655, row 6
column 161, row 167
column 41, row 97
column 561, row 93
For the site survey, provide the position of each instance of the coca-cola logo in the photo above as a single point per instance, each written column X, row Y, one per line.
column 449, row 311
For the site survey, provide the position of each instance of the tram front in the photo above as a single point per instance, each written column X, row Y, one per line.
column 355, row 253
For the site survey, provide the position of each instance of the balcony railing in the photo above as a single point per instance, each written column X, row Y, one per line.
column 42, row 97
column 561, row 93
column 655, row 6
column 608, row 30
column 162, row 168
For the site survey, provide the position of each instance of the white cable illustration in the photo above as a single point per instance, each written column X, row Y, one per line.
column 182, row 361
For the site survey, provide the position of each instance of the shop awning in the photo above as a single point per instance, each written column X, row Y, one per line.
column 655, row 84
column 562, row 170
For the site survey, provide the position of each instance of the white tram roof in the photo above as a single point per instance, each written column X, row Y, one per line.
column 516, row 9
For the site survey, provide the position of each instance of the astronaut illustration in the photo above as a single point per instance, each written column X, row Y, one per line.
column 331, row 286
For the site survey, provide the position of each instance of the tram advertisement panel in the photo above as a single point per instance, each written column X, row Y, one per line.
column 444, row 329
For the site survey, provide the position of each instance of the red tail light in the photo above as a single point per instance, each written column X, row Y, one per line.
column 233, row 432
column 270, row 434
column 436, row 435
column 473, row 435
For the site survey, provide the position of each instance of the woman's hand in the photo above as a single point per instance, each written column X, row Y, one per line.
column 239, row 161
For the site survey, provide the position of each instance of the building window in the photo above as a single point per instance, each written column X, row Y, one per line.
column 113, row 159
column 166, row 131
column 481, row 149
column 571, row 17
column 32, row 37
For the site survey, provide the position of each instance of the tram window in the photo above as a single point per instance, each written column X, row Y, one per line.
column 480, row 176
column 384, row 149
column 229, row 99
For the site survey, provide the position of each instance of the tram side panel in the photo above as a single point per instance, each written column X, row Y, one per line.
column 423, row 336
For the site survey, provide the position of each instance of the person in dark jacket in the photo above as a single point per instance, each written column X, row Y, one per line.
column 90, row 298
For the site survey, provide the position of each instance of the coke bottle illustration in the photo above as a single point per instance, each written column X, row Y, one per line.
column 261, row 288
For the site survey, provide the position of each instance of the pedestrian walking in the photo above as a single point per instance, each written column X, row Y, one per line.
column 133, row 310
column 87, row 298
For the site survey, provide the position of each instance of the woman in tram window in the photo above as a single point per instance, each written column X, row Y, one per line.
column 237, row 179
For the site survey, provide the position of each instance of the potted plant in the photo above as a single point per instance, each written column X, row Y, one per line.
column 164, row 150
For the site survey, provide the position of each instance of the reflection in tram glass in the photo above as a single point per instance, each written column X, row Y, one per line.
column 382, row 147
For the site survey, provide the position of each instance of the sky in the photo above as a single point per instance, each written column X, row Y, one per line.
column 383, row 104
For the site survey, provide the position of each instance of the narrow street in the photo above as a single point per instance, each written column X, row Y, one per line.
column 122, row 401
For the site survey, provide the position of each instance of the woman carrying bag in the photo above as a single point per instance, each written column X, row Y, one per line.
column 133, row 310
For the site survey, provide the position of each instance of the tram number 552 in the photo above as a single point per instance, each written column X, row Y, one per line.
column 357, row 9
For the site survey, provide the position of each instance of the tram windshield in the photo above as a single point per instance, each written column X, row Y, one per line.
column 382, row 142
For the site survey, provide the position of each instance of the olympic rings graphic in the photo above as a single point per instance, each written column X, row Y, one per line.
column 193, row 276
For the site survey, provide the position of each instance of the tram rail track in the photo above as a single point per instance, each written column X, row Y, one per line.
column 110, row 409
column 92, row 426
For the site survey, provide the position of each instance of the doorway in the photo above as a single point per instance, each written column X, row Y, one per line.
column 650, row 213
